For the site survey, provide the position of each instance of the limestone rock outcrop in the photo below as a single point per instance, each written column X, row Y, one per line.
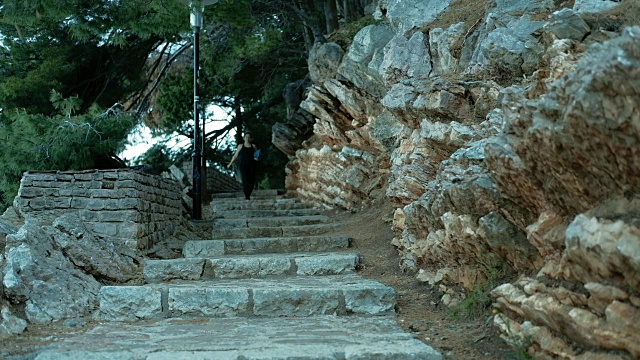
column 52, row 289
column 508, row 145
column 56, row 271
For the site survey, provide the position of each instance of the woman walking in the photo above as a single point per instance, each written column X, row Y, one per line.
column 247, row 164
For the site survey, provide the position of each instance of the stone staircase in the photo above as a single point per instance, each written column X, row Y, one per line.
column 267, row 286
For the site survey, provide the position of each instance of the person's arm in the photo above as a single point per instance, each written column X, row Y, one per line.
column 235, row 156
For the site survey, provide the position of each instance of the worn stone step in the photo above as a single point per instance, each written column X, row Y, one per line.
column 261, row 193
column 276, row 231
column 316, row 338
column 299, row 296
column 237, row 214
column 250, row 266
column 209, row 248
column 279, row 204
column 268, row 221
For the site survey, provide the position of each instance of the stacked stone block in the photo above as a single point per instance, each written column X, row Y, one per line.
column 135, row 208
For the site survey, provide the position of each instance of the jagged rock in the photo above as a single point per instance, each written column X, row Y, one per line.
column 602, row 250
column 101, row 258
column 547, row 235
column 415, row 162
column 567, row 24
column 288, row 137
column 386, row 130
column 293, row 94
column 508, row 49
column 37, row 273
column 6, row 228
column 406, row 58
column 560, row 59
column 568, row 150
column 594, row 6
column 509, row 242
column 565, row 312
column 442, row 44
column 442, row 227
column 10, row 324
column 435, row 98
column 324, row 60
column 358, row 106
column 12, row 217
column 362, row 62
column 408, row 15
column 177, row 174
column 324, row 176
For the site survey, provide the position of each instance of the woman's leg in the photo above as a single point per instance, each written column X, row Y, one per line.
column 248, row 181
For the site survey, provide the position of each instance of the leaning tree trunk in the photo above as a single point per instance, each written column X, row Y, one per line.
column 331, row 16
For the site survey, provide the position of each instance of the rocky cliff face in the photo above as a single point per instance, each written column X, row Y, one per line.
column 508, row 144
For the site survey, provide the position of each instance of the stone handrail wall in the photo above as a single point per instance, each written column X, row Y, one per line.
column 136, row 208
column 217, row 181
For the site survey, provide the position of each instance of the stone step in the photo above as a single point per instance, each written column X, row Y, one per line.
column 209, row 248
column 241, row 223
column 279, row 204
column 237, row 214
column 275, row 231
column 300, row 296
column 250, row 266
column 261, row 193
column 316, row 338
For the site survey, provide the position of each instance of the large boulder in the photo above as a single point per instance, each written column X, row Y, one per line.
column 324, row 59
column 99, row 257
column 405, row 16
column 506, row 48
column 55, row 270
column 406, row 58
column 38, row 274
column 442, row 43
column 362, row 62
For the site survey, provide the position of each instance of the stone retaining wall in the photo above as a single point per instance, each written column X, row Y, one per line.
column 217, row 182
column 137, row 208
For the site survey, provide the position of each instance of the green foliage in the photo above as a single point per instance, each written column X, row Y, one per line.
column 59, row 142
column 95, row 50
column 473, row 306
column 159, row 157
column 478, row 301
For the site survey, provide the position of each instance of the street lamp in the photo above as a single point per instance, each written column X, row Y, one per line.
column 196, row 19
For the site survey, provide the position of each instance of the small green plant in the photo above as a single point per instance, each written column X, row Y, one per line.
column 478, row 300
column 473, row 306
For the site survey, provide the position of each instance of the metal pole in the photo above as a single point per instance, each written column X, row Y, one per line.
column 197, row 156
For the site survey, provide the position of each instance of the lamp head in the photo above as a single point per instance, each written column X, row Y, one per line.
column 197, row 8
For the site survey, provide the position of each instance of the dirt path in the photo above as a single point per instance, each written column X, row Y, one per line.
column 419, row 308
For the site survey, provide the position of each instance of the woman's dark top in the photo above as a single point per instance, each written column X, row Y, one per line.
column 246, row 156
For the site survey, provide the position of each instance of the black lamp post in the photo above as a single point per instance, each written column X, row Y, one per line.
column 197, row 9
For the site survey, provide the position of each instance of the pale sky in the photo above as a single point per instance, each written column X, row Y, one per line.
column 140, row 140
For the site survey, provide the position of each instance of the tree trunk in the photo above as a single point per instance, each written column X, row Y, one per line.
column 331, row 15
column 312, row 20
column 238, row 110
column 352, row 10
